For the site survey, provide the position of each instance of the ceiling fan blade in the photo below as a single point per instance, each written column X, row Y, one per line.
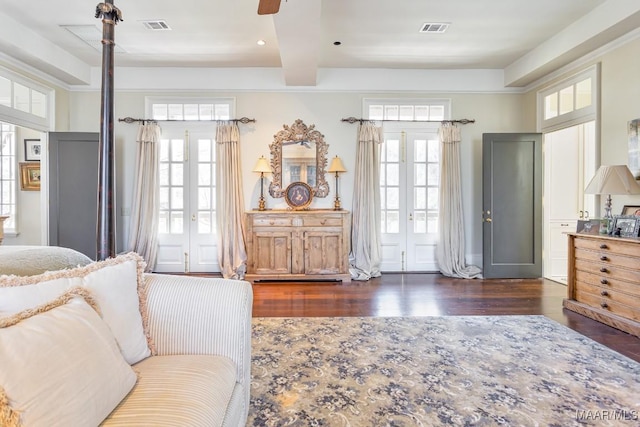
column 268, row 7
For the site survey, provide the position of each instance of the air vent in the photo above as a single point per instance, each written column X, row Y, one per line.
column 434, row 27
column 156, row 25
column 91, row 35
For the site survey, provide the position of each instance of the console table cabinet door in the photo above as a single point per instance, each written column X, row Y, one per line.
column 323, row 253
column 272, row 253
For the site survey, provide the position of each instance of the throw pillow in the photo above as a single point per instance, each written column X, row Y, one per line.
column 60, row 365
column 118, row 286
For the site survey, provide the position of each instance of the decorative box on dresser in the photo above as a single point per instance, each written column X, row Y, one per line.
column 298, row 245
column 604, row 280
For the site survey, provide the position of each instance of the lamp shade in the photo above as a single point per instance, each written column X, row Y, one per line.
column 336, row 165
column 262, row 166
column 614, row 179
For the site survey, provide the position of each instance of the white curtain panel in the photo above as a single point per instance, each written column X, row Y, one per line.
column 365, row 257
column 143, row 227
column 450, row 249
column 232, row 255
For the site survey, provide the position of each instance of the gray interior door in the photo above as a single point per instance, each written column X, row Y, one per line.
column 512, row 205
column 73, row 190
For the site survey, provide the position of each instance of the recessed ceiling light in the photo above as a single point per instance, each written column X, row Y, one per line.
column 261, row 42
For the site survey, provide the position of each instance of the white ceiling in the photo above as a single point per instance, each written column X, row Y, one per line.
column 513, row 35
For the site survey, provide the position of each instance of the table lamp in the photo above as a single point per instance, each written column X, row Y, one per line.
column 613, row 179
column 263, row 167
column 337, row 167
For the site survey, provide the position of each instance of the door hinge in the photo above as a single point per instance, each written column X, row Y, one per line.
column 186, row 262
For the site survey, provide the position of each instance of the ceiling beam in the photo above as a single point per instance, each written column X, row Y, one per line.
column 298, row 31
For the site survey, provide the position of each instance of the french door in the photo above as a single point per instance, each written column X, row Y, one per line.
column 187, row 228
column 409, row 178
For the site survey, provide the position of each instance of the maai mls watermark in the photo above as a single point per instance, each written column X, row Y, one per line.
column 607, row 415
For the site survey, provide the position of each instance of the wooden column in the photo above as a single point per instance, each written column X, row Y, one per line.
column 106, row 165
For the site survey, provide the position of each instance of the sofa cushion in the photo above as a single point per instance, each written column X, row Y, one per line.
column 187, row 390
column 31, row 260
column 61, row 365
column 118, row 286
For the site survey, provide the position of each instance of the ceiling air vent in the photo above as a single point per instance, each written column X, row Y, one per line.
column 156, row 25
column 434, row 27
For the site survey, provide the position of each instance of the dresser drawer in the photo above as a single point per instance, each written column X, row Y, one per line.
column 608, row 304
column 607, row 271
column 607, row 246
column 608, row 258
column 272, row 220
column 323, row 222
column 607, row 282
column 608, row 295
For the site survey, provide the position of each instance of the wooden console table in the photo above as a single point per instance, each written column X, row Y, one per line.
column 297, row 245
column 2, row 218
column 604, row 280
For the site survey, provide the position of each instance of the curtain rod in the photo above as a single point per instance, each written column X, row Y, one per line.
column 353, row 120
column 243, row 120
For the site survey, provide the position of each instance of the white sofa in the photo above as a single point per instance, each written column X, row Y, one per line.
column 199, row 335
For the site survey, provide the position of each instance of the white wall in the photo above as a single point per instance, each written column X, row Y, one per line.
column 272, row 110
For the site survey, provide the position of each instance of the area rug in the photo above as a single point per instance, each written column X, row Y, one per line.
column 437, row 371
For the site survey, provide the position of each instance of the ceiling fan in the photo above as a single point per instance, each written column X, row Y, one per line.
column 268, row 7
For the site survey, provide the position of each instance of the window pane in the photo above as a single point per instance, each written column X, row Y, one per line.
column 164, row 198
column 164, row 150
column 434, row 173
column 566, row 100
column 204, row 222
column 204, row 174
column 432, row 222
column 163, row 174
column 177, row 150
column 159, row 112
column 436, row 112
column 392, row 147
column 177, row 174
column 434, row 151
column 432, row 198
column 422, row 112
column 376, row 112
column 175, row 112
column 5, row 92
column 21, row 98
column 420, row 146
column 383, row 222
column 393, row 198
column 393, row 222
column 177, row 223
column 419, row 174
column 393, row 174
column 551, row 106
column 177, row 199
column 191, row 112
column 206, row 111
column 222, row 112
column 406, row 112
column 391, row 112
column 583, row 94
column 38, row 103
column 420, row 198
column 383, row 198
column 163, row 224
column 204, row 150
column 419, row 222
column 204, row 198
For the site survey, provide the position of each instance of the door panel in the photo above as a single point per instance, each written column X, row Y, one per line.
column 512, row 205
column 73, row 190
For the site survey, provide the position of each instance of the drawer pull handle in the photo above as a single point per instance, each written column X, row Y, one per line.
column 603, row 270
column 604, row 305
column 604, row 281
column 604, row 293
column 603, row 246
column 603, row 258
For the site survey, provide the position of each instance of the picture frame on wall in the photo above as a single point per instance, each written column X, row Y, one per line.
column 32, row 150
column 626, row 225
column 30, row 176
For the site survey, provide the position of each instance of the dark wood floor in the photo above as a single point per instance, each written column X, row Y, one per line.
column 396, row 294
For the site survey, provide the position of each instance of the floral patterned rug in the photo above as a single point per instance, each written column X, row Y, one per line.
column 437, row 371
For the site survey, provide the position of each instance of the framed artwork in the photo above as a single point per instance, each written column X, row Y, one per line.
column 30, row 176
column 626, row 225
column 298, row 195
column 634, row 147
column 32, row 150
column 589, row 226
column 630, row 210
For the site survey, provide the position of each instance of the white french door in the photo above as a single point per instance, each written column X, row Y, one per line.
column 187, row 227
column 409, row 176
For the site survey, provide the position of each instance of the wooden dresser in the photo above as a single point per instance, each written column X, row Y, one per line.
column 298, row 245
column 604, row 280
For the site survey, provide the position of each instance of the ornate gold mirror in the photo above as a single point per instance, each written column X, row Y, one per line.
column 298, row 154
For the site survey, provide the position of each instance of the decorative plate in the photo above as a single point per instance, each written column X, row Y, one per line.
column 298, row 195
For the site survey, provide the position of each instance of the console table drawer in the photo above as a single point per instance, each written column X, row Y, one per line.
column 271, row 221
column 607, row 283
column 608, row 304
column 607, row 258
column 608, row 271
column 606, row 247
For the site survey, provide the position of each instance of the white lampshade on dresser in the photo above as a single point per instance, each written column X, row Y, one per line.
column 612, row 179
